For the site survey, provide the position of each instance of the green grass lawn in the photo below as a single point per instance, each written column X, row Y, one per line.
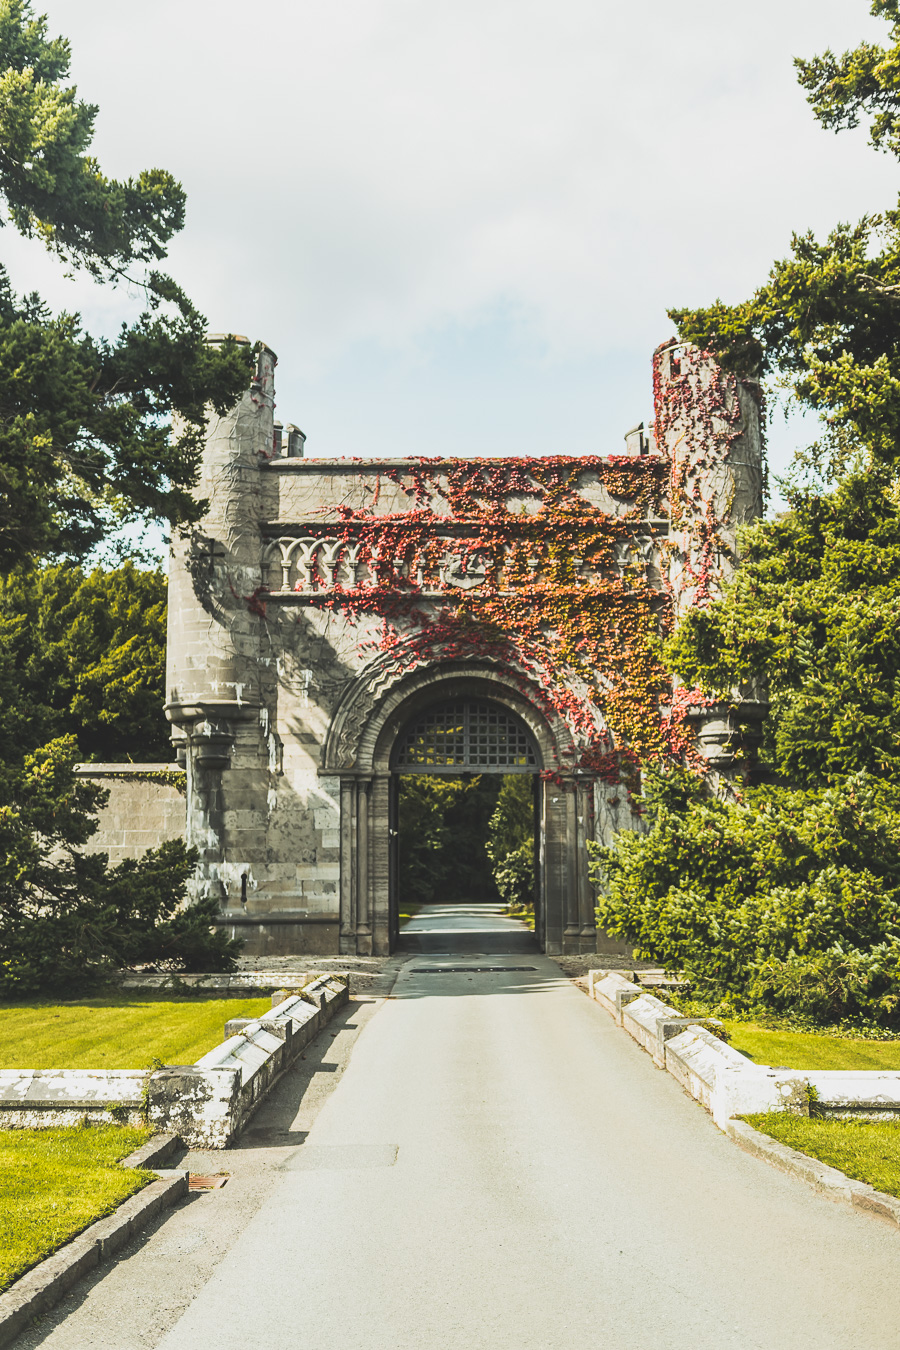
column 806, row 1050
column 867, row 1150
column 525, row 914
column 116, row 1031
column 53, row 1183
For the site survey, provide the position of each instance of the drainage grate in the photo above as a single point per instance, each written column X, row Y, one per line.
column 467, row 970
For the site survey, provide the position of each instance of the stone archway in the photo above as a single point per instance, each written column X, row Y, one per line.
column 360, row 749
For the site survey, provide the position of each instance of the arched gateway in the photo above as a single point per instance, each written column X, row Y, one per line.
column 333, row 624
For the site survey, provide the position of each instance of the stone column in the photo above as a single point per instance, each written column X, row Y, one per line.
column 555, row 880
column 584, row 799
column 348, row 887
column 379, row 866
column 364, row 923
column 572, row 931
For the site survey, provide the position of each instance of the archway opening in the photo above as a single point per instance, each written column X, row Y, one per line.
column 466, row 797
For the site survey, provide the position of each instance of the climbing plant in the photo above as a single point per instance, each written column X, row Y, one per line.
column 522, row 562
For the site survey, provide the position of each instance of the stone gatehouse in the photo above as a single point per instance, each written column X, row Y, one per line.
column 333, row 623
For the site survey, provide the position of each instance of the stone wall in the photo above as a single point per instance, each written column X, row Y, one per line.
column 146, row 806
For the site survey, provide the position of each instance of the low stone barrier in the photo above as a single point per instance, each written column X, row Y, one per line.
column 210, row 1102
column 723, row 1080
column 37, row 1098
column 207, row 1103
column 238, row 983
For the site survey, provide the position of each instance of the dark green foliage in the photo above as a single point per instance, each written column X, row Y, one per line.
column 66, row 919
column 510, row 844
column 827, row 318
column 865, row 81
column 468, row 840
column 85, row 424
column 83, row 654
column 827, row 322
column 154, row 924
column 812, row 614
column 53, row 188
column 93, row 433
column 444, row 827
column 514, row 876
column 86, row 439
column 789, row 900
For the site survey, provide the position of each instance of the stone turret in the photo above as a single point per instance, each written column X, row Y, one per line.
column 708, row 426
column 212, row 680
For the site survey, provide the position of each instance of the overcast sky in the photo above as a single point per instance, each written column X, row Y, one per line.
column 460, row 223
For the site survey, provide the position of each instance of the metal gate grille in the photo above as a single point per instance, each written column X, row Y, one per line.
column 466, row 736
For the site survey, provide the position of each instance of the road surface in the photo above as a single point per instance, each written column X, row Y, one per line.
column 499, row 1166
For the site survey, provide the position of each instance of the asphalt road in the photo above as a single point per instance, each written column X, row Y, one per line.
column 484, row 1161
column 500, row 1167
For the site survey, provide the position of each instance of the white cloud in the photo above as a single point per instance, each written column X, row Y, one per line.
column 370, row 180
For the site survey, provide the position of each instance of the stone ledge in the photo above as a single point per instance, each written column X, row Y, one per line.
column 33, row 1098
column 126, row 770
column 250, row 981
column 724, row 1081
column 206, row 1104
column 44, row 1285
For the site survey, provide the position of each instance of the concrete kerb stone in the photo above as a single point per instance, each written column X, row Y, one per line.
column 728, row 1085
column 612, row 989
column 40, row 1288
column 828, row 1180
column 667, row 1027
column 156, row 1150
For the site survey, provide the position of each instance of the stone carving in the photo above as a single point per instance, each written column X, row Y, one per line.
column 351, row 720
column 639, row 552
column 465, row 574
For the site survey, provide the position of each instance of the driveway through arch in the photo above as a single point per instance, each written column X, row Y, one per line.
column 498, row 715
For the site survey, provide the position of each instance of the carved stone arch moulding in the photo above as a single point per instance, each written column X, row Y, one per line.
column 386, row 694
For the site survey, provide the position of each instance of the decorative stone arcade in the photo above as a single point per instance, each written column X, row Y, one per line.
column 335, row 623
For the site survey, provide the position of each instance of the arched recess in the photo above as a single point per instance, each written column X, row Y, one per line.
column 376, row 708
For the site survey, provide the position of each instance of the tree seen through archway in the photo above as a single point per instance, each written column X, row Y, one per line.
column 466, row 839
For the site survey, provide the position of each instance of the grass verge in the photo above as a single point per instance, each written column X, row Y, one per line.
column 867, row 1150
column 116, row 1031
column 54, row 1183
column 808, row 1050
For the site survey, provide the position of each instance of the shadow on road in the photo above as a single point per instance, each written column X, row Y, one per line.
column 517, row 942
